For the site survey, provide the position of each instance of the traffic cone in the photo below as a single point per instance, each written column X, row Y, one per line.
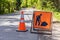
column 22, row 27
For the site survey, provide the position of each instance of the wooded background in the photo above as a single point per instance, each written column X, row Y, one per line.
column 9, row 6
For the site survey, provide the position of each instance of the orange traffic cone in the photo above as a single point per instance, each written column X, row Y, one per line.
column 21, row 27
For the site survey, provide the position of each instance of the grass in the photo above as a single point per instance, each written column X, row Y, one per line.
column 57, row 15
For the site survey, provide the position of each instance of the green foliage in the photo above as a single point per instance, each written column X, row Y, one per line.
column 39, row 4
column 48, row 6
column 29, row 3
column 9, row 6
column 23, row 4
column 57, row 15
column 18, row 4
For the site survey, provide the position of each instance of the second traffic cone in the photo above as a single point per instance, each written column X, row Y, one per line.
column 22, row 27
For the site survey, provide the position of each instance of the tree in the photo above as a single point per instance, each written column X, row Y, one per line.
column 18, row 3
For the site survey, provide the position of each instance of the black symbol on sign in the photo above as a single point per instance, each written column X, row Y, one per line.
column 44, row 24
column 38, row 20
column 38, row 17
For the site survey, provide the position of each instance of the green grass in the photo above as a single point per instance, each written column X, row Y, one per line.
column 57, row 15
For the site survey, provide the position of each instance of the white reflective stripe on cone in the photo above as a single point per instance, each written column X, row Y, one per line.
column 21, row 20
column 22, row 16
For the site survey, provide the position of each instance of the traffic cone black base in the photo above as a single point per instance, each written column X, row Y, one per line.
column 21, row 30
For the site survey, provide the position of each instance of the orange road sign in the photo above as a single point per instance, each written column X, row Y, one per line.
column 42, row 20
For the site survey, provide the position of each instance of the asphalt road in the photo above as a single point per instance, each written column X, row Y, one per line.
column 9, row 24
